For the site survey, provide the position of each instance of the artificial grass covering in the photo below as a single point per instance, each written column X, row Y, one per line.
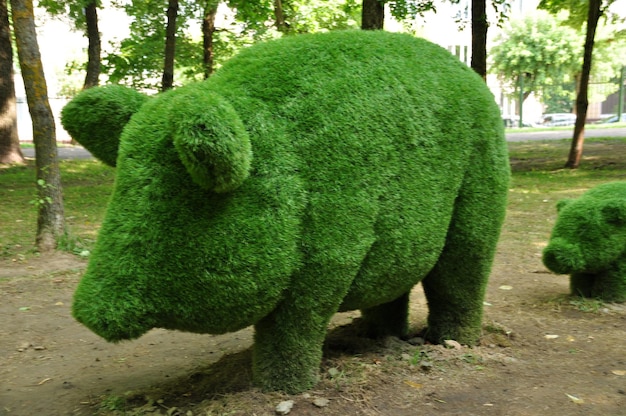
column 588, row 242
column 97, row 117
column 311, row 174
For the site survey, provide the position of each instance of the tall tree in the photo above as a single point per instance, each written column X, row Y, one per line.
column 10, row 152
column 170, row 46
column 94, row 49
column 51, row 219
column 541, row 50
column 479, row 37
column 373, row 15
column 582, row 99
column 208, row 30
column 586, row 12
column 279, row 17
column 84, row 15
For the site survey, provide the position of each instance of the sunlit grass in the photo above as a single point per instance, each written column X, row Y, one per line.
column 87, row 185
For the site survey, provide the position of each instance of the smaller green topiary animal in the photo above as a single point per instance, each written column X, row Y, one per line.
column 588, row 242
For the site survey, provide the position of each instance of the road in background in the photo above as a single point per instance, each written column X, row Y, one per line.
column 564, row 134
column 77, row 152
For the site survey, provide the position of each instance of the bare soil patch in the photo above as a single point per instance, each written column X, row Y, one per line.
column 542, row 352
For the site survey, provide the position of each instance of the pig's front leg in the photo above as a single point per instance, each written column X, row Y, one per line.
column 288, row 342
column 288, row 350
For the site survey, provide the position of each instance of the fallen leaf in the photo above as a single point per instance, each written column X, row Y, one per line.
column 284, row 407
column 575, row 399
column 45, row 380
column 413, row 384
column 450, row 343
column 24, row 308
column 333, row 372
column 321, row 402
column 551, row 336
column 505, row 287
column 619, row 372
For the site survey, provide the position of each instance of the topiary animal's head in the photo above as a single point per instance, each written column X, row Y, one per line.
column 211, row 141
column 187, row 232
column 590, row 232
column 96, row 117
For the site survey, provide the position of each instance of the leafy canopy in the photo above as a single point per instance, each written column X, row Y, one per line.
column 537, row 47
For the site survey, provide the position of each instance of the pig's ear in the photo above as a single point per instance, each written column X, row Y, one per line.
column 211, row 140
column 563, row 203
column 614, row 211
column 96, row 117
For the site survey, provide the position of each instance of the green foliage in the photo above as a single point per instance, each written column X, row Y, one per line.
column 378, row 161
column 137, row 61
column 545, row 53
column 589, row 241
column 560, row 98
column 39, row 200
column 410, row 9
column 316, row 16
column 96, row 117
column 577, row 10
column 74, row 9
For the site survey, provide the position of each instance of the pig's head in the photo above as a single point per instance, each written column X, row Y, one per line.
column 589, row 235
column 195, row 237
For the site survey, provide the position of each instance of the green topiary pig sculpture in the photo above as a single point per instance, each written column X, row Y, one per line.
column 309, row 175
column 588, row 242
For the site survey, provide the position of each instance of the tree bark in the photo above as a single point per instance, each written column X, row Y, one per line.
column 10, row 152
column 93, row 51
column 50, row 220
column 479, row 37
column 582, row 99
column 170, row 46
column 373, row 15
column 208, row 29
column 279, row 16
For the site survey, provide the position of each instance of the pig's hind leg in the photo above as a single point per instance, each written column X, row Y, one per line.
column 455, row 287
column 388, row 319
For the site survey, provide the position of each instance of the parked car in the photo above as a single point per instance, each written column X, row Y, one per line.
column 613, row 119
column 513, row 121
column 559, row 119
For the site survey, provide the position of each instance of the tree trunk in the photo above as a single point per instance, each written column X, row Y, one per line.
column 170, row 45
column 373, row 15
column 582, row 99
column 479, row 37
column 50, row 220
column 10, row 152
column 279, row 16
column 208, row 29
column 93, row 51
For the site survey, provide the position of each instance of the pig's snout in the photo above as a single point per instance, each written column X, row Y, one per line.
column 563, row 257
column 115, row 320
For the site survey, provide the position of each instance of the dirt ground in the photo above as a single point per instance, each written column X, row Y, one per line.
column 542, row 353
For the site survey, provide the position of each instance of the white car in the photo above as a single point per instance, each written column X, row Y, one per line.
column 559, row 119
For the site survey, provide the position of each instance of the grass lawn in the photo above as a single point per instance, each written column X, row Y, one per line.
column 87, row 185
